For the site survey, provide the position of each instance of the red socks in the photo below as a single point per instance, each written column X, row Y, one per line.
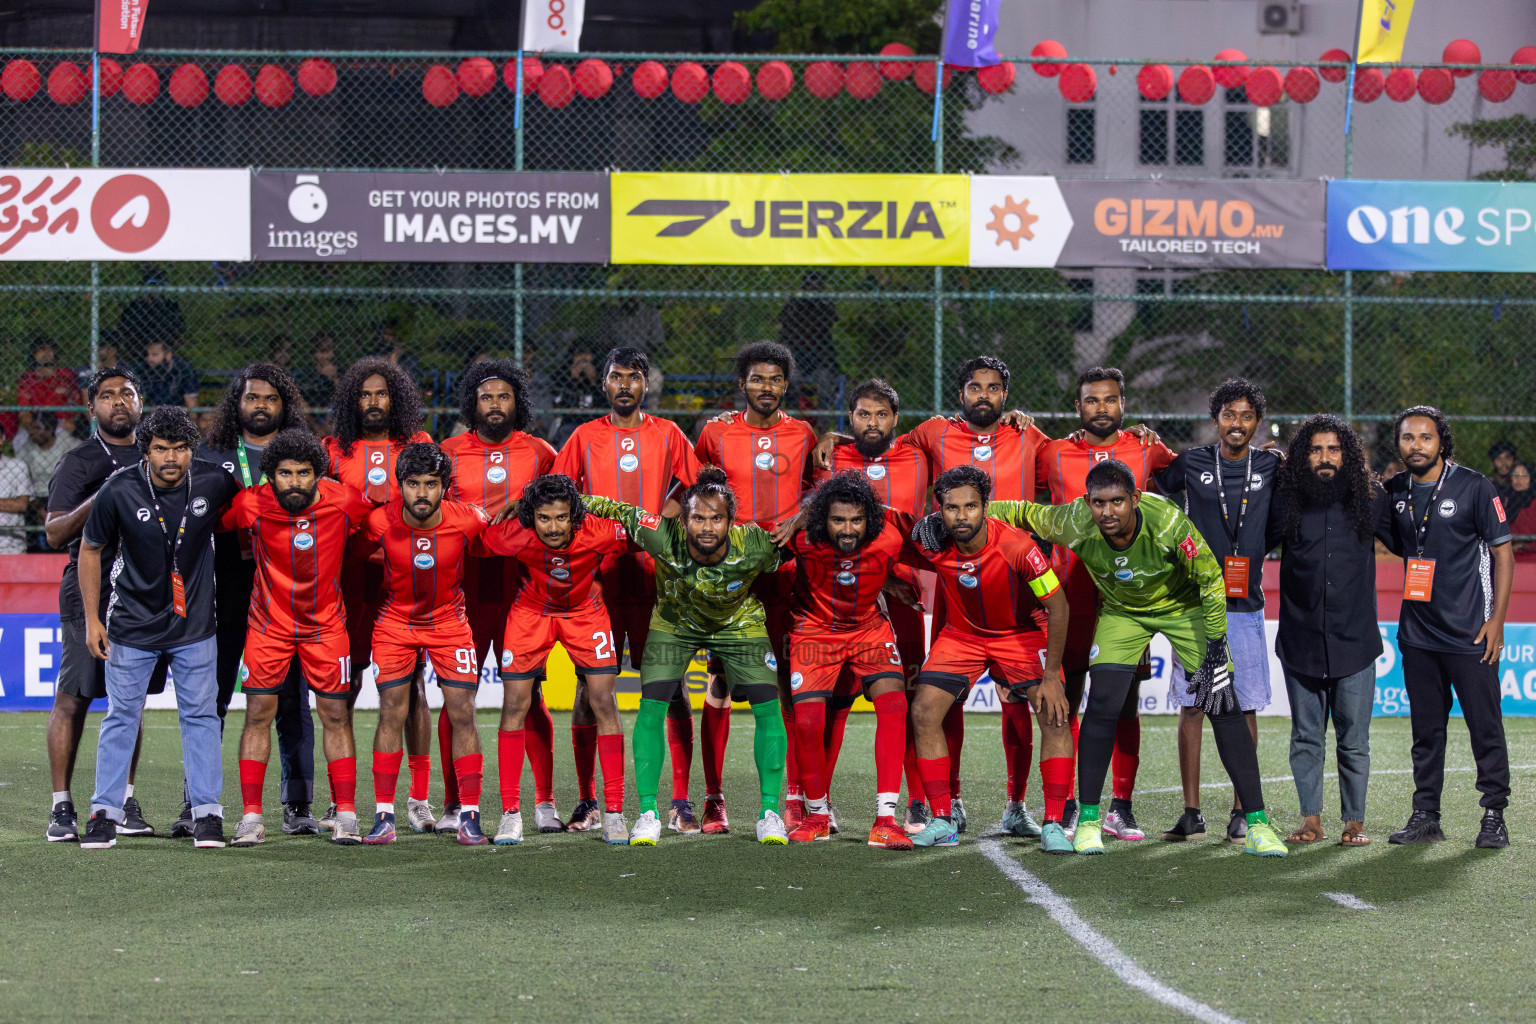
column 253, row 775
column 386, row 775
column 810, row 732
column 421, row 774
column 470, row 769
column 954, row 738
column 909, row 763
column 792, row 784
column 680, row 747
column 1056, row 781
column 445, row 752
column 541, row 748
column 936, row 784
column 837, row 722
column 584, row 742
column 509, row 764
column 890, row 745
column 610, row 749
column 717, row 728
column 1126, row 758
column 1018, row 748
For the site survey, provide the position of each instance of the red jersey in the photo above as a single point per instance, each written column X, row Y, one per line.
column 997, row 591
column 423, row 568
column 1062, row 466
column 837, row 593
column 564, row 581
column 298, row 558
column 635, row 465
column 899, row 477
column 369, row 469
column 494, row 475
column 1006, row 455
column 768, row 468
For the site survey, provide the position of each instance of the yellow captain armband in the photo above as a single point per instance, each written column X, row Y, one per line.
column 1045, row 585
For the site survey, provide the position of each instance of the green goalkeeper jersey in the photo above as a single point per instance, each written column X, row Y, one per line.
column 695, row 599
column 1167, row 570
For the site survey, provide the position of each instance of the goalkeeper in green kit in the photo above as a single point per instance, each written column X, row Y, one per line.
column 1155, row 574
column 704, row 573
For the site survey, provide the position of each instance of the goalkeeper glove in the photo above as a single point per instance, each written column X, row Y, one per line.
column 1212, row 684
column 930, row 532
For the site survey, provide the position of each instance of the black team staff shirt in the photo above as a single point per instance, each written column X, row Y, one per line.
column 1198, row 472
column 80, row 474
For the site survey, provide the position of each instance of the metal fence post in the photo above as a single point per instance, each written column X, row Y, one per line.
column 517, row 269
column 1349, row 279
column 938, row 272
column 95, row 162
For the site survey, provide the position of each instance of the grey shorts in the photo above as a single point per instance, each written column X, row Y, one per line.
column 1250, row 664
column 81, row 675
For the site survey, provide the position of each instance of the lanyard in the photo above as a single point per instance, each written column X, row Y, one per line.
column 245, row 466
column 108, row 449
column 1422, row 522
column 1221, row 492
column 160, row 518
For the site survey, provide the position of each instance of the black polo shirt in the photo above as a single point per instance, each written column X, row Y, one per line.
column 80, row 474
column 1204, row 476
column 233, row 566
column 1466, row 520
column 141, row 614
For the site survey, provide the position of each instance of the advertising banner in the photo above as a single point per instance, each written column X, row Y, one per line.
column 458, row 217
column 150, row 214
column 1431, row 225
column 909, row 220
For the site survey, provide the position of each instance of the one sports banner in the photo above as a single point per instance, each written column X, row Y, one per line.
column 553, row 25
column 119, row 24
column 1431, row 225
column 970, row 26
column 757, row 219
column 1383, row 29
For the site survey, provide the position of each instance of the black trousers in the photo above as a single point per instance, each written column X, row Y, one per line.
column 1431, row 678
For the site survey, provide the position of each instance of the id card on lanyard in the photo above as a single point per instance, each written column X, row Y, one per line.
column 178, row 586
column 1235, row 568
column 245, row 465
column 1419, row 572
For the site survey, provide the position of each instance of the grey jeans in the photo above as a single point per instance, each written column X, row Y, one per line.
column 1349, row 701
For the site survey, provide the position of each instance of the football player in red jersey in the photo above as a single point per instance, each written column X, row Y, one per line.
column 1062, row 467
column 299, row 525
column 842, row 643
column 424, row 539
column 492, row 462
column 561, row 548
column 1008, row 617
column 766, row 455
column 637, row 459
column 376, row 413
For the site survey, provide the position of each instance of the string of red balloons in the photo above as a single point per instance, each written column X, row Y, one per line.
column 188, row 86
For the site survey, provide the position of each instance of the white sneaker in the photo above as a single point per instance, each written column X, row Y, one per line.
column 1122, row 825
column 546, row 818
column 328, row 819
column 344, row 832
column 647, row 830
column 832, row 819
column 770, row 830
column 615, row 831
column 448, row 824
column 419, row 814
column 510, row 832
column 957, row 814
column 250, row 832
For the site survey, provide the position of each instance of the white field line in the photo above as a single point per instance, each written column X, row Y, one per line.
column 1345, row 899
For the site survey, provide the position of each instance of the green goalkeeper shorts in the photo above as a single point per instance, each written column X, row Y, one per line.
column 1120, row 638
column 748, row 662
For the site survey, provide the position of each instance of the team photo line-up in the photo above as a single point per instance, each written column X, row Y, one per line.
column 262, row 556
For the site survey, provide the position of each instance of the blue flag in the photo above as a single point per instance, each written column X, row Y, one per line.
column 969, row 29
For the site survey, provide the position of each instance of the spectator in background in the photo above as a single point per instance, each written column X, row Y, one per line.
column 44, row 449
column 387, row 344
column 579, row 390
column 1520, row 507
column 15, row 496
column 1501, row 456
column 152, row 315
column 1520, row 495
column 168, row 378
column 44, row 382
column 280, row 353
column 317, row 382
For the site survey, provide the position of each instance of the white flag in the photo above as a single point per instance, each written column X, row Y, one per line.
column 553, row 25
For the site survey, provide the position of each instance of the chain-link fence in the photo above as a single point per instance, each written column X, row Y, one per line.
column 1360, row 343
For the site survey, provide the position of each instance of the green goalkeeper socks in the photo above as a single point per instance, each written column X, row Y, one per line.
column 770, row 745
column 649, row 744
column 1255, row 817
column 1088, row 812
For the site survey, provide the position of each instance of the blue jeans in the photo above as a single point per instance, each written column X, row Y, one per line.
column 1349, row 700
column 197, row 690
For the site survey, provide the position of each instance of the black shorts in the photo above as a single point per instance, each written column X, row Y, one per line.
column 81, row 675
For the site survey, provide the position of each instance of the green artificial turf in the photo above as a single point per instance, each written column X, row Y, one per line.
column 720, row 929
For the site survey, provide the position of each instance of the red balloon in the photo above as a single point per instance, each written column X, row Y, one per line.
column 232, row 85
column 593, row 78
column 1077, row 83
column 1462, row 51
column 533, row 74
column 317, row 76
column 140, row 84
column 274, row 86
column 1302, row 84
column 1265, row 87
column 188, row 86
column 1525, row 55
column 476, row 76
column 1436, row 85
column 1334, row 74
column 823, row 79
column 1402, row 84
column 896, row 70
column 996, row 79
column 863, row 80
column 732, row 83
column 1196, row 84
column 775, row 80
column 690, row 82
column 1230, row 77
column 67, row 84
column 649, row 80
column 1370, row 83
column 20, row 80
column 923, row 77
column 1155, row 81
column 1048, row 48
column 438, row 86
column 1496, row 85
column 556, row 88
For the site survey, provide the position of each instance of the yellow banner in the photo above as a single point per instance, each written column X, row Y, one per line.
column 1383, row 27
column 759, row 219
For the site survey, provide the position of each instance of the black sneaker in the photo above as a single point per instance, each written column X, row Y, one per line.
column 208, row 832
column 100, row 833
column 63, row 826
column 1492, row 835
column 1237, row 827
column 299, row 821
column 133, row 820
column 182, row 829
column 1422, row 827
column 1191, row 825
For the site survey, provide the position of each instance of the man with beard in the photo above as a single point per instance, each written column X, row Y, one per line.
column 491, row 464
column 1227, row 489
column 1450, row 527
column 638, row 459
column 298, row 526
column 259, row 402
column 377, row 413
column 1326, row 511
column 766, row 456
column 113, row 396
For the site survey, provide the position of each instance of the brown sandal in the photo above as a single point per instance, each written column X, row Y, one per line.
column 1354, row 836
column 1306, row 834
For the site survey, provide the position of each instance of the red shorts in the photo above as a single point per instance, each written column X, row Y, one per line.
column 958, row 659
column 362, row 592
column 585, row 634
column 911, row 636
column 817, row 661
column 450, row 646
column 490, row 587
column 326, row 662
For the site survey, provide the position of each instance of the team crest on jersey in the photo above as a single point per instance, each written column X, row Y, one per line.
column 377, row 476
column 796, row 680
column 764, row 460
column 875, row 471
column 506, row 659
column 1498, row 506
column 496, row 474
column 1036, row 560
column 1207, row 478
column 629, row 463
column 303, row 541
column 847, row 579
column 1256, row 482
column 983, row 453
column 424, row 561
column 733, row 586
column 1188, row 546
column 560, row 574
column 1124, row 575
column 1093, row 652
column 771, row 661
column 143, row 515
column 968, row 581
column 200, row 506
column 650, row 521
column 1447, row 508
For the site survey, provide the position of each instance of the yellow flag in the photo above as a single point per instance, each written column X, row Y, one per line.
column 1383, row 27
